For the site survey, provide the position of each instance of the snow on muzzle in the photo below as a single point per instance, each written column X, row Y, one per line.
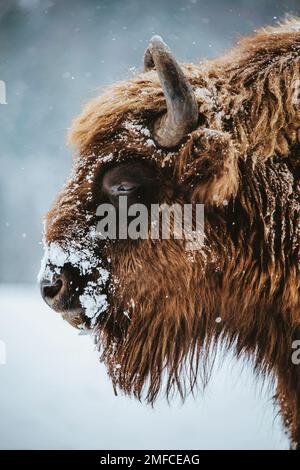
column 73, row 282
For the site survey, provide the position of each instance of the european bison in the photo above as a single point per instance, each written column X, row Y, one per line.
column 223, row 133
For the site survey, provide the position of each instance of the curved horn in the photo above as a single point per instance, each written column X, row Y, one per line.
column 182, row 107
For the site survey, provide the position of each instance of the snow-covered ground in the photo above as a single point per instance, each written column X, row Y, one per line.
column 54, row 394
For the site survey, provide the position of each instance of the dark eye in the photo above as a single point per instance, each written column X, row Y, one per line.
column 124, row 188
column 136, row 180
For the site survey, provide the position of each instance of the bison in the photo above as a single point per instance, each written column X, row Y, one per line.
column 223, row 133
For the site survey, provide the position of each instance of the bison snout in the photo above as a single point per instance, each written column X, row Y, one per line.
column 61, row 292
column 50, row 290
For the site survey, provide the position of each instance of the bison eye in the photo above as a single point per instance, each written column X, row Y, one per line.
column 124, row 188
column 136, row 180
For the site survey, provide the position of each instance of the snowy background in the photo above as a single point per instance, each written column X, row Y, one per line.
column 55, row 55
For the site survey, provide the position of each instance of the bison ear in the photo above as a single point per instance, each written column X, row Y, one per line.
column 208, row 165
column 182, row 107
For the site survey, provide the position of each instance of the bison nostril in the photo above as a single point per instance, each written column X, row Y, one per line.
column 53, row 289
column 50, row 289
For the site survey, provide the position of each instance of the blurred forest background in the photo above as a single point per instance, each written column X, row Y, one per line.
column 54, row 56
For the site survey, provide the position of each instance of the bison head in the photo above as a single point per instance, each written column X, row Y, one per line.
column 147, row 301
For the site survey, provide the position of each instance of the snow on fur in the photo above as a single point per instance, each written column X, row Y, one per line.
column 82, row 257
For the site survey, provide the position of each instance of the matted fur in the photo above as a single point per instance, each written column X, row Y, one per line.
column 243, row 163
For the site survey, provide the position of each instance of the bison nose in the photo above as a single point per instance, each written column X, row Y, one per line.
column 51, row 289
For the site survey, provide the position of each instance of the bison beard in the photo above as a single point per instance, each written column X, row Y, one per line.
column 224, row 133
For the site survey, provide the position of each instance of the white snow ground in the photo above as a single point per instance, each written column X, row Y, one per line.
column 55, row 395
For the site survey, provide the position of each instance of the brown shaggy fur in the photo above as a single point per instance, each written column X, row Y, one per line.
column 243, row 163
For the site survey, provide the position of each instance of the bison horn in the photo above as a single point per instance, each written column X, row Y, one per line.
column 182, row 108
